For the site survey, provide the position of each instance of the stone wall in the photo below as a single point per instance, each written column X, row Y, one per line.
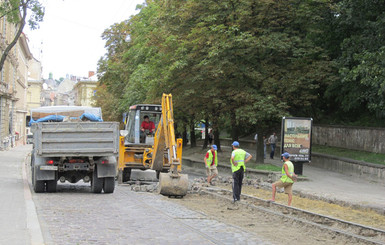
column 356, row 138
column 362, row 170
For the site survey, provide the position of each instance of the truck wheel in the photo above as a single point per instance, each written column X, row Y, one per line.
column 51, row 185
column 38, row 185
column 109, row 185
column 126, row 174
column 96, row 183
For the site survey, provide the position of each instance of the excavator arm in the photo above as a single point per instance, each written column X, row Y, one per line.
column 172, row 183
column 165, row 138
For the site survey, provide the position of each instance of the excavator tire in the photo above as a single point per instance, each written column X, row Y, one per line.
column 173, row 187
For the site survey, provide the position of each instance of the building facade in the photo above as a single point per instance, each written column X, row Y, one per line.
column 85, row 91
column 13, row 87
column 21, row 109
column 65, row 92
column 35, row 86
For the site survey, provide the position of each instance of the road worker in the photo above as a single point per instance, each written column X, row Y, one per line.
column 287, row 179
column 211, row 163
column 238, row 159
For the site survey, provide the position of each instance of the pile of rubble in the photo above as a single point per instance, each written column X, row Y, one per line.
column 202, row 182
column 199, row 183
column 143, row 186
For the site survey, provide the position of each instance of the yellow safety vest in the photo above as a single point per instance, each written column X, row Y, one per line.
column 210, row 159
column 239, row 158
column 290, row 168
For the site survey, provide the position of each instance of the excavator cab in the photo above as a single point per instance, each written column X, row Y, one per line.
column 152, row 151
column 134, row 119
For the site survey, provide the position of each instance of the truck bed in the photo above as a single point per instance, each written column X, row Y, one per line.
column 57, row 139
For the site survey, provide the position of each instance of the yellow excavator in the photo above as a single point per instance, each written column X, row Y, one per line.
column 142, row 149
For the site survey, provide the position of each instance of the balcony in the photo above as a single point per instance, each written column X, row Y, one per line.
column 3, row 87
column 7, row 92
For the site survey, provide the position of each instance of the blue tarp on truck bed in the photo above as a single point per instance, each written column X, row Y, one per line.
column 91, row 117
column 59, row 118
column 62, row 113
column 50, row 118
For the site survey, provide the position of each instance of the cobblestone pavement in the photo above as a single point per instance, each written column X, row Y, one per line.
column 74, row 215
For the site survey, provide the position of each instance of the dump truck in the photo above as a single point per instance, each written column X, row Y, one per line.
column 72, row 143
column 142, row 149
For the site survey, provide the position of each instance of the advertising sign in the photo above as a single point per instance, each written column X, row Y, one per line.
column 296, row 138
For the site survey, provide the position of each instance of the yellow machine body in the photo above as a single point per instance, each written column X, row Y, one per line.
column 160, row 152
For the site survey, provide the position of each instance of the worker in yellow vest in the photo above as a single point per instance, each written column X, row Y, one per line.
column 238, row 159
column 211, row 163
column 287, row 179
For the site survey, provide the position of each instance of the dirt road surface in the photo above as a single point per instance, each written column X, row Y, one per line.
column 269, row 227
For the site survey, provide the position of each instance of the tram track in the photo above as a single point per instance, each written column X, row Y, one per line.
column 353, row 232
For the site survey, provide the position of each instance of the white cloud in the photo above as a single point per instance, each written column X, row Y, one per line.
column 70, row 36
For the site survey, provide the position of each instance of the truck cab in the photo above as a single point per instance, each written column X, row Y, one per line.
column 133, row 121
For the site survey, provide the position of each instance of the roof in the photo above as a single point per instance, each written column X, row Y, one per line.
column 146, row 107
column 93, row 78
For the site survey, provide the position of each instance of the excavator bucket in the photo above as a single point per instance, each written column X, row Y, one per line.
column 173, row 185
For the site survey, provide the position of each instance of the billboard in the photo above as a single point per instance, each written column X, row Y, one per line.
column 296, row 138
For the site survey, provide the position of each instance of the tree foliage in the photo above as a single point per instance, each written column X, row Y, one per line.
column 359, row 56
column 242, row 65
column 15, row 12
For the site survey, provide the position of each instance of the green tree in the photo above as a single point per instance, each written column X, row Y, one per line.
column 240, row 64
column 15, row 12
column 109, row 110
column 255, row 61
column 359, row 28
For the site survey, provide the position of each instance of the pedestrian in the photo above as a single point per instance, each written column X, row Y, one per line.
column 264, row 146
column 211, row 163
column 238, row 159
column 287, row 179
column 272, row 141
column 210, row 137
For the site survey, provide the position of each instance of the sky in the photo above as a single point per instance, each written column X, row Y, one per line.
column 69, row 41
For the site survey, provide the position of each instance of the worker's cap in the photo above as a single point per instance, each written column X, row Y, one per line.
column 286, row 155
column 235, row 143
column 214, row 147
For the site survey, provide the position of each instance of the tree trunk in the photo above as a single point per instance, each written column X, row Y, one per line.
column 262, row 132
column 216, row 134
column 184, row 136
column 234, row 127
column 192, row 135
column 259, row 158
column 14, row 41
